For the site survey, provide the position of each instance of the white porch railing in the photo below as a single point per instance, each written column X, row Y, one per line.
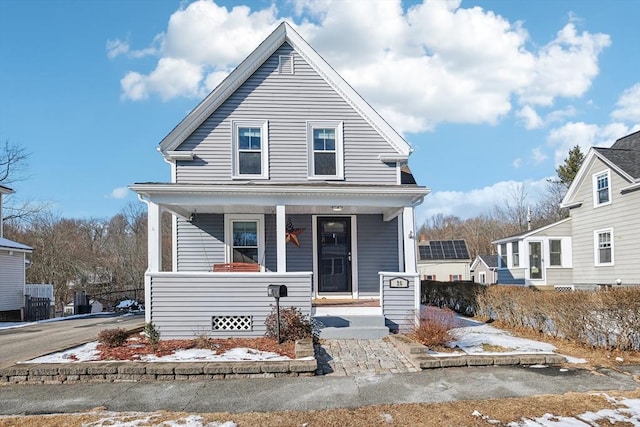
column 400, row 299
column 190, row 304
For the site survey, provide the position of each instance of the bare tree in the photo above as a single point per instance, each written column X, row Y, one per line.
column 513, row 210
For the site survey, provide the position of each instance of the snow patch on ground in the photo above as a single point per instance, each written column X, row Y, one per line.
column 471, row 338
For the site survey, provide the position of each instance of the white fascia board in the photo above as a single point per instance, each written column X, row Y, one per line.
column 529, row 233
column 284, row 32
column 630, row 188
column 302, row 195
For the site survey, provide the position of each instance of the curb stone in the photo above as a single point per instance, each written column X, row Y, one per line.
column 419, row 356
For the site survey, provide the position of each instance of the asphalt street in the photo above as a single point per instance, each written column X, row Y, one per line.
column 308, row 393
column 28, row 342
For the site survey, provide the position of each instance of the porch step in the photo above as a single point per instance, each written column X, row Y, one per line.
column 351, row 326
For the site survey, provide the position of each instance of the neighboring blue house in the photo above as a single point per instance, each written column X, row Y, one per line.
column 282, row 175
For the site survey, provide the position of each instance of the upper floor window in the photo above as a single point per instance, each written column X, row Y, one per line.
column 515, row 253
column 503, row 255
column 250, row 149
column 603, row 247
column 324, row 141
column 555, row 252
column 601, row 188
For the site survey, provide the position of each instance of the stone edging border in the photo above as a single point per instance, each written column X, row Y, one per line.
column 304, row 364
column 418, row 356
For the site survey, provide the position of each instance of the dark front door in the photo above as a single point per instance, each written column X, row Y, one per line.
column 334, row 254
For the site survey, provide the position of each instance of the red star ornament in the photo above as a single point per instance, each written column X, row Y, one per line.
column 292, row 236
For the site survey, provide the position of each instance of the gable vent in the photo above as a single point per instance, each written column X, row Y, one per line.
column 286, row 64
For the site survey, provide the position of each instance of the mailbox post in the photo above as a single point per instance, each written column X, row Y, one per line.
column 277, row 291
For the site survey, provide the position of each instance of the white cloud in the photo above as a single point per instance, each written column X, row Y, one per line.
column 517, row 163
column 530, row 118
column 119, row 47
column 467, row 204
column 565, row 67
column 119, row 193
column 465, row 65
column 628, row 105
column 537, row 156
column 585, row 135
column 116, row 48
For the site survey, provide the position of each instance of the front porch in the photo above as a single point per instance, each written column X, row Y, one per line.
column 320, row 242
column 190, row 304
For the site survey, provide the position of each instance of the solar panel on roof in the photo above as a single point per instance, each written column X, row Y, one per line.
column 444, row 249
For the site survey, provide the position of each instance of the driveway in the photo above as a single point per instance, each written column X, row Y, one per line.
column 28, row 342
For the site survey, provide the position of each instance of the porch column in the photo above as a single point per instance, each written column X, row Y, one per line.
column 281, row 228
column 409, row 236
column 154, row 238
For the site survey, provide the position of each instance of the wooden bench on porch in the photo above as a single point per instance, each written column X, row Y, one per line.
column 236, row 267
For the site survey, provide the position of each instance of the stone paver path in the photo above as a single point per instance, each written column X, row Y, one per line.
column 360, row 357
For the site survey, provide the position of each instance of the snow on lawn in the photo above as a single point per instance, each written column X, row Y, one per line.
column 473, row 336
column 89, row 353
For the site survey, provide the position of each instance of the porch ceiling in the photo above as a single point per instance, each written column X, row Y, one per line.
column 185, row 199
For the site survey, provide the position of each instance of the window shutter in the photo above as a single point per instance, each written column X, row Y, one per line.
column 451, row 277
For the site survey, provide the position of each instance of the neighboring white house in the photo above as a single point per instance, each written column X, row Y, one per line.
column 599, row 244
column 484, row 269
column 444, row 260
column 537, row 257
column 13, row 259
column 282, row 175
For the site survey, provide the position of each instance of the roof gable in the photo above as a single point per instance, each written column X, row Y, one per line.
column 284, row 33
column 625, row 161
column 528, row 233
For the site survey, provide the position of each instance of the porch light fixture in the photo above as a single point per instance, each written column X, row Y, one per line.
column 336, row 208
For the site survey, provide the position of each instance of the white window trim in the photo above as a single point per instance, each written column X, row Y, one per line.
column 594, row 180
column 228, row 234
column 337, row 125
column 264, row 148
column 513, row 255
column 561, row 252
column 501, row 265
column 482, row 277
column 596, row 248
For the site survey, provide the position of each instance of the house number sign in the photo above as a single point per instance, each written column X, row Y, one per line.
column 398, row 282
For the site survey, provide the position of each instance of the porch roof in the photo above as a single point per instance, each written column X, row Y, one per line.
column 185, row 199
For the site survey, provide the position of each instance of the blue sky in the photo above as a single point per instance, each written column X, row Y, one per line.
column 489, row 93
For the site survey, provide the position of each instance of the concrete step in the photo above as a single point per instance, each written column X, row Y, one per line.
column 351, row 327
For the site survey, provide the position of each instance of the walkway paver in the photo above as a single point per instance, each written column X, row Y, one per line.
column 360, row 357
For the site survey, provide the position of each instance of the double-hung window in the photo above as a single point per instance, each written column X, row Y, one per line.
column 250, row 149
column 325, row 152
column 244, row 235
column 601, row 188
column 503, row 255
column 555, row 252
column 603, row 246
column 515, row 254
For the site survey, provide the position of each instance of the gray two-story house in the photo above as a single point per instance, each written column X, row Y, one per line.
column 282, row 175
column 599, row 244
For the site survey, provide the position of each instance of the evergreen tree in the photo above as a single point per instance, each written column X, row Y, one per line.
column 568, row 170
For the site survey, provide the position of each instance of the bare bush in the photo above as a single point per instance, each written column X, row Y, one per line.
column 434, row 328
column 607, row 319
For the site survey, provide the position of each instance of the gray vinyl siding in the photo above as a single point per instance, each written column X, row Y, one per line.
column 183, row 304
column 559, row 276
column 11, row 280
column 558, row 230
column 622, row 215
column 200, row 242
column 287, row 102
column 377, row 242
column 298, row 258
column 399, row 304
